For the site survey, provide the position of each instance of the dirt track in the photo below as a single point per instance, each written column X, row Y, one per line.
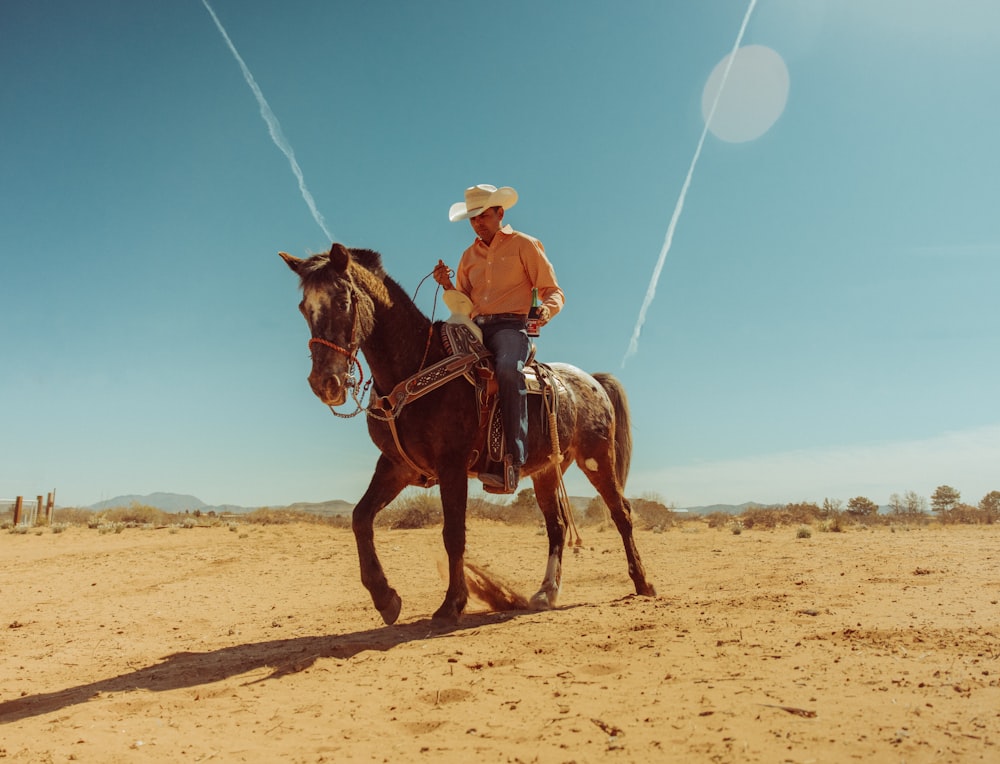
column 261, row 645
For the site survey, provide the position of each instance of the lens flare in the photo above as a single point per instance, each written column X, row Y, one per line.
column 754, row 98
column 633, row 345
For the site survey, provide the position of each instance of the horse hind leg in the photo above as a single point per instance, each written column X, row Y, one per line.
column 546, row 494
column 547, row 596
column 600, row 472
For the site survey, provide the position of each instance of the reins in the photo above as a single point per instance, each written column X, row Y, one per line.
column 430, row 331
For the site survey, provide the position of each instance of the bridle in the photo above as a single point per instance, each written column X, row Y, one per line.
column 351, row 352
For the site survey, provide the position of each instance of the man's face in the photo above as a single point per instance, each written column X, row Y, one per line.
column 487, row 223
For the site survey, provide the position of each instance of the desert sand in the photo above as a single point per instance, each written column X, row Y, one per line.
column 259, row 644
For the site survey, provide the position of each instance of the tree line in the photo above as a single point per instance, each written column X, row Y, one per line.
column 946, row 502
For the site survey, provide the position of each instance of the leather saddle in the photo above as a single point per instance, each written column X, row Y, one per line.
column 488, row 454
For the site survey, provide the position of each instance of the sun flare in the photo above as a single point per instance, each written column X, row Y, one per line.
column 754, row 97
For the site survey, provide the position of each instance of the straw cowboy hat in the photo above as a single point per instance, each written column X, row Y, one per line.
column 479, row 199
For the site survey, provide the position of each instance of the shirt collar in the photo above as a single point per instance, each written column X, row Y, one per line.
column 506, row 230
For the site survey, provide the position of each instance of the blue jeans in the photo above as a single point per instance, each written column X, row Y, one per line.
column 509, row 343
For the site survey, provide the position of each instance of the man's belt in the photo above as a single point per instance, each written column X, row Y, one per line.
column 490, row 318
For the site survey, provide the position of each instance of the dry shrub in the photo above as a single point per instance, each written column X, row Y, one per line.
column 803, row 513
column 596, row 512
column 482, row 508
column 651, row 514
column 964, row 514
column 268, row 516
column 73, row 516
column 134, row 515
column 761, row 517
column 522, row 510
column 414, row 510
column 847, row 519
column 916, row 519
column 719, row 519
column 519, row 514
column 833, row 524
column 648, row 513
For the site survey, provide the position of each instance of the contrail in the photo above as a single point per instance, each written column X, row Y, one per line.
column 273, row 125
column 633, row 345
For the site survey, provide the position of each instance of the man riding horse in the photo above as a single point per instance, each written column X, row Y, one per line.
column 498, row 273
column 427, row 428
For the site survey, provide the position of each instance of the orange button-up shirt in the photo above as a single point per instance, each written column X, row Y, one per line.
column 498, row 277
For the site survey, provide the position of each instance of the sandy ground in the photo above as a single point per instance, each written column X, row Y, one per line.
column 260, row 644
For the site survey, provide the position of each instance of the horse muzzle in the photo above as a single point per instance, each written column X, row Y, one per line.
column 330, row 389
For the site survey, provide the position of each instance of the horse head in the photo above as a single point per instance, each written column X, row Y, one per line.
column 339, row 314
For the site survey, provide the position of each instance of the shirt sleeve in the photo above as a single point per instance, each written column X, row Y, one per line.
column 542, row 274
column 462, row 274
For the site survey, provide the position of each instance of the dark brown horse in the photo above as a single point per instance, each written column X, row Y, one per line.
column 351, row 304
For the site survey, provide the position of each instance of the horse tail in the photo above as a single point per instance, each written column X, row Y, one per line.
column 623, row 424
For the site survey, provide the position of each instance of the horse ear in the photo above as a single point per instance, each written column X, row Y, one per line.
column 340, row 256
column 293, row 262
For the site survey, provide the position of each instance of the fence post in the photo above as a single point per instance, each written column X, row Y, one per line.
column 38, row 510
column 18, row 507
column 49, row 506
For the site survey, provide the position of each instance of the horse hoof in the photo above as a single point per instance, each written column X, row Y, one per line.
column 446, row 615
column 543, row 600
column 646, row 590
column 390, row 612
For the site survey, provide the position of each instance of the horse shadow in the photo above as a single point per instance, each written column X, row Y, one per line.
column 282, row 656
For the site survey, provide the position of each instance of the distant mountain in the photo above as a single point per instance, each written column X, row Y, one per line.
column 580, row 504
column 177, row 502
column 168, row 502
column 728, row 509
column 335, row 507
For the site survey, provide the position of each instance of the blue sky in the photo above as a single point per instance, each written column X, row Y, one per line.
column 825, row 323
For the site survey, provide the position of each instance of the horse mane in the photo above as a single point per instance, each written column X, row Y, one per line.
column 372, row 276
column 366, row 272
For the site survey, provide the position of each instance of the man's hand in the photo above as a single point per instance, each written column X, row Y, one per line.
column 544, row 314
column 442, row 275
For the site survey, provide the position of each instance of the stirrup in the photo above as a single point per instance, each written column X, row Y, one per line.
column 505, row 483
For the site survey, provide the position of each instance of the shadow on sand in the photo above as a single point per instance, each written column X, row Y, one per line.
column 283, row 656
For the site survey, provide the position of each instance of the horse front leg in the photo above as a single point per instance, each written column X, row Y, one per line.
column 546, row 494
column 387, row 482
column 454, row 497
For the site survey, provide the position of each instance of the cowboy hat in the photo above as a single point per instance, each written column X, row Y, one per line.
column 480, row 198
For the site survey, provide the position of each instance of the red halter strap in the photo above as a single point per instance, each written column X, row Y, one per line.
column 352, row 354
column 351, row 357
